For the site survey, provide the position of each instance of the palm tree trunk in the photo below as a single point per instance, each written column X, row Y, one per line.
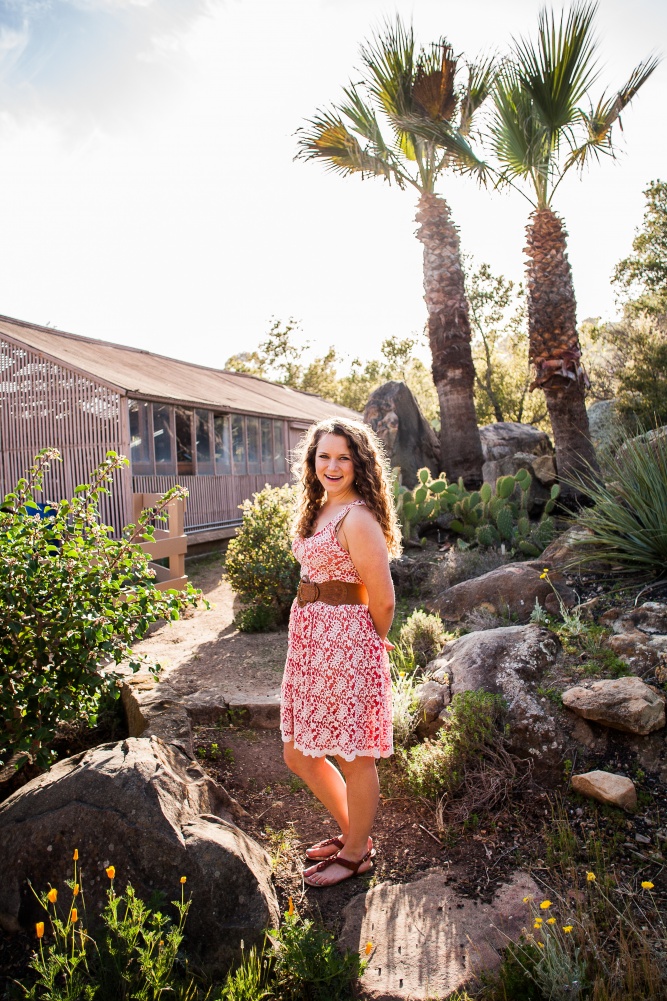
column 554, row 347
column 449, row 337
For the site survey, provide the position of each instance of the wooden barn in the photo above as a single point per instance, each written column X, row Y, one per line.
column 223, row 435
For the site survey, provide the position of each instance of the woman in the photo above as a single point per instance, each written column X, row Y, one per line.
column 336, row 692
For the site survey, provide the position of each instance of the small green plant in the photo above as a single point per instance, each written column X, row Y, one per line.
column 309, row 966
column 250, row 981
column 71, row 598
column 437, row 767
column 133, row 956
column 259, row 561
column 424, row 634
column 405, row 705
column 428, row 499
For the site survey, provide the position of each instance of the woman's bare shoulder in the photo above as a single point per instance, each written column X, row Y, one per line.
column 360, row 518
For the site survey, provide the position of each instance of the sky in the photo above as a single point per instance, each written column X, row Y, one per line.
column 149, row 193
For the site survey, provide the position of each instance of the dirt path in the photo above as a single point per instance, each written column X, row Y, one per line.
column 205, row 651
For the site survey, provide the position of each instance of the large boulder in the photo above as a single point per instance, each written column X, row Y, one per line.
column 603, row 423
column 626, row 704
column 505, row 438
column 511, row 589
column 509, row 661
column 639, row 635
column 145, row 808
column 509, row 446
column 428, row 940
column 409, row 440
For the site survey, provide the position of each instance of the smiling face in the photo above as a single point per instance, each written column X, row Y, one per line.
column 334, row 466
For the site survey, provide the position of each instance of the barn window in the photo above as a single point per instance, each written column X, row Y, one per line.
column 238, row 443
column 140, row 444
column 223, row 452
column 185, row 465
column 203, row 443
column 279, row 446
column 252, row 437
column 163, row 439
column 266, row 430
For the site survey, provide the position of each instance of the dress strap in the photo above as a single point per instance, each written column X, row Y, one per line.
column 337, row 521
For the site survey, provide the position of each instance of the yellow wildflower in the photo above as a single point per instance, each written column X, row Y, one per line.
column 647, row 885
column 541, row 945
column 551, row 921
column 75, row 856
column 545, row 573
column 290, row 907
column 52, row 896
column 369, row 948
column 401, row 674
column 75, row 889
column 39, row 928
column 538, row 923
column 527, row 900
column 74, row 916
column 111, row 871
column 590, row 876
column 184, row 879
column 567, row 929
column 545, row 904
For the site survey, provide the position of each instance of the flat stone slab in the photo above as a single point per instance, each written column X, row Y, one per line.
column 626, row 704
column 607, row 787
column 427, row 939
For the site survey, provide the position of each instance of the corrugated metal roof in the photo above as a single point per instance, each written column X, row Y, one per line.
column 142, row 373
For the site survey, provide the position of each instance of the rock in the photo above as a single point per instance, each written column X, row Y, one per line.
column 626, row 704
column 584, row 734
column 509, row 661
column 433, row 698
column 144, row 807
column 409, row 440
column 603, row 423
column 650, row 618
column 428, row 940
column 505, row 438
column 541, row 468
column 563, row 552
column 154, row 709
column 509, row 590
column 640, row 635
column 617, row 790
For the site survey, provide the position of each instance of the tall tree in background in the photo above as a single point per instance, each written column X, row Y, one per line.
column 370, row 133
column 539, row 132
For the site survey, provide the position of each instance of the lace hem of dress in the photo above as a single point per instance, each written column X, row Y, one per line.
column 336, row 753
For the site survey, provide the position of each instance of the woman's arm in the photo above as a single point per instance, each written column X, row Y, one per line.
column 362, row 536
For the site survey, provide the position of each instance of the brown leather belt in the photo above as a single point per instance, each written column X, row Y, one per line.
column 331, row 592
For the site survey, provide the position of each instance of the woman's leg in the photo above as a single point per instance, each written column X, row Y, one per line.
column 363, row 794
column 323, row 779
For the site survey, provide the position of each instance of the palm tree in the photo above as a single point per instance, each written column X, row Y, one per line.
column 370, row 134
column 539, row 132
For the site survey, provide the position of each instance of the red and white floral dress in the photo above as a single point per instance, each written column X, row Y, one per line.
column 336, row 690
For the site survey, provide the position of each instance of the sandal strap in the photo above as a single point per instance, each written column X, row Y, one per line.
column 325, row 844
column 345, row 862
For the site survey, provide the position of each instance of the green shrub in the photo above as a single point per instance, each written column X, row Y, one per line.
column 424, row 634
column 627, row 522
column 404, row 703
column 437, row 767
column 71, row 599
column 259, row 561
column 309, row 964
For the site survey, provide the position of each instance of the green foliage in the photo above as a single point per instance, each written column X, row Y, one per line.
column 259, row 561
column 643, row 274
column 437, row 767
column 249, row 981
column 71, row 599
column 424, row 634
column 134, row 956
column 627, row 521
column 424, row 503
column 309, row 966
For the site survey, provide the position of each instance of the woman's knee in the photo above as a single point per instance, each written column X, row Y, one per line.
column 297, row 762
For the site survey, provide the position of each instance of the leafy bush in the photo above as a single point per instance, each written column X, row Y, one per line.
column 437, row 767
column 309, row 964
column 259, row 561
column 627, row 522
column 404, row 703
column 424, row 634
column 71, row 599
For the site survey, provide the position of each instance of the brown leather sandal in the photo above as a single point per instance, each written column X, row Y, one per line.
column 325, row 844
column 346, row 863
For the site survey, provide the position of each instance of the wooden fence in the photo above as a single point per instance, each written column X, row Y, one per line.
column 170, row 543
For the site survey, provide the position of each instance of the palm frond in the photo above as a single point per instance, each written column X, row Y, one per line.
column 518, row 137
column 560, row 67
column 389, row 61
column 327, row 138
column 459, row 154
column 599, row 120
column 481, row 76
column 434, row 91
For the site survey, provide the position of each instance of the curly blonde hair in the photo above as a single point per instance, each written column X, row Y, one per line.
column 372, row 480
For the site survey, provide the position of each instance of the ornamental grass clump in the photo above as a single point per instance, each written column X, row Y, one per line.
column 425, row 635
column 72, row 600
column 627, row 521
column 259, row 563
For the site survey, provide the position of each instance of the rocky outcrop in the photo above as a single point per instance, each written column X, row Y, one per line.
column 617, row 790
column 509, row 661
column 427, row 939
column 145, row 808
column 566, row 549
column 409, row 440
column 510, row 590
column 640, row 635
column 603, row 423
column 509, row 446
column 626, row 704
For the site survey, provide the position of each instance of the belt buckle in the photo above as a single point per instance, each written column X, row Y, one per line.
column 307, row 592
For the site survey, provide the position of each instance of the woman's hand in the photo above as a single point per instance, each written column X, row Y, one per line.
column 388, row 645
